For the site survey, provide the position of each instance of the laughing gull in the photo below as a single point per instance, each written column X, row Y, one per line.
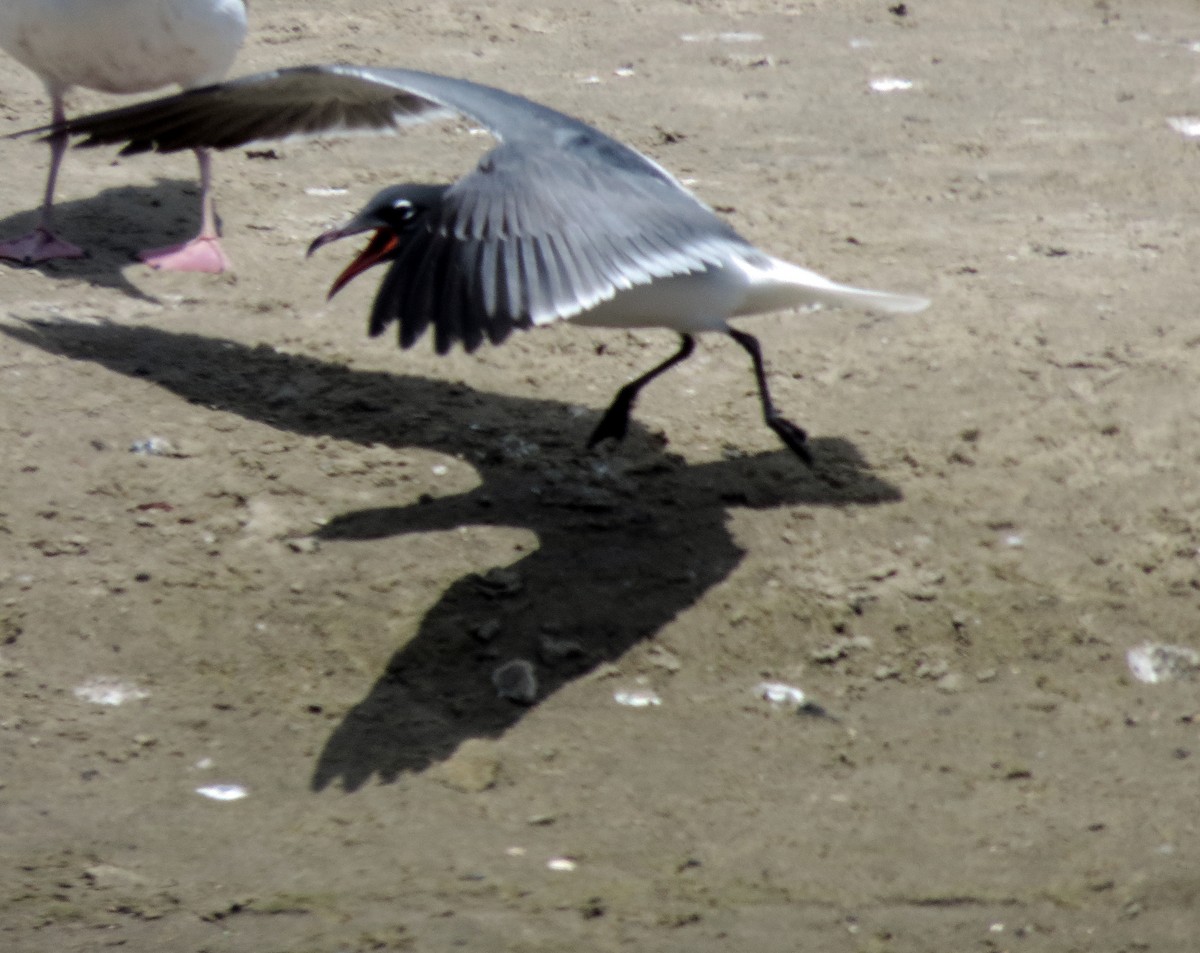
column 558, row 222
column 122, row 46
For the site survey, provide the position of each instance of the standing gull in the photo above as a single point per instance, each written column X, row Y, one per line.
column 122, row 46
column 558, row 222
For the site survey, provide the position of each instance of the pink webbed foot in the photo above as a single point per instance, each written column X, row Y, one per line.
column 39, row 245
column 200, row 254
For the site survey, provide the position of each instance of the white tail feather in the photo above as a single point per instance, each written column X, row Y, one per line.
column 783, row 285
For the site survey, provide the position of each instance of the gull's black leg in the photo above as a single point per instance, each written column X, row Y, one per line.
column 788, row 432
column 615, row 421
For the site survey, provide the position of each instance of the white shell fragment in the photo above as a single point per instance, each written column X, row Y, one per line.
column 222, row 792
column 1154, row 663
column 563, row 864
column 637, row 697
column 106, row 690
column 730, row 37
column 890, row 84
column 155, row 447
column 779, row 693
column 1185, row 125
column 516, row 681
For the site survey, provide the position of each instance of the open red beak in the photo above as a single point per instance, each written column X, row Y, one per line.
column 382, row 244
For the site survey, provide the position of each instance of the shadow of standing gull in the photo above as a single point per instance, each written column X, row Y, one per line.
column 625, row 543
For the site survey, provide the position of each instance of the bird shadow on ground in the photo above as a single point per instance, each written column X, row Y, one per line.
column 112, row 226
column 626, row 541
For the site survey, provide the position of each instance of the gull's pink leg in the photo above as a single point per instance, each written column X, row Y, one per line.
column 203, row 253
column 42, row 244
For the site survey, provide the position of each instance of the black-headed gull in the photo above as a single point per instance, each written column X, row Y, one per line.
column 558, row 222
column 122, row 46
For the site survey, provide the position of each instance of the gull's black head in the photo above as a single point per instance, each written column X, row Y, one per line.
column 391, row 213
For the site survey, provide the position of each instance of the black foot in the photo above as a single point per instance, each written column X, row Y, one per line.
column 795, row 437
column 614, row 423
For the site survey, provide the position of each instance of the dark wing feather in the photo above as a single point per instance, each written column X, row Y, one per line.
column 302, row 101
column 537, row 234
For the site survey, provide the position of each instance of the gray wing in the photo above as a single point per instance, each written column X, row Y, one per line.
column 310, row 100
column 542, row 233
column 301, row 101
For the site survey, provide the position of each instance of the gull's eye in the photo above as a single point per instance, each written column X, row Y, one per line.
column 402, row 212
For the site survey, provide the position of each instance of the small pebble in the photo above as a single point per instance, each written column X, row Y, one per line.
column 553, row 651
column 473, row 768
column 486, row 631
column 516, row 681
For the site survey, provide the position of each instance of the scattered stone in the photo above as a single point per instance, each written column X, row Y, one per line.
column 69, row 546
column 951, row 683
column 499, row 582
column 933, row 669
column 107, row 876
column 925, row 586
column 473, row 768
column 883, row 571
column 604, row 670
column 516, row 681
column 486, row 631
column 664, row 659
column 839, row 648
column 554, row 651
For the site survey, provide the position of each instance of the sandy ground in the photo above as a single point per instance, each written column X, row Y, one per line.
column 308, row 594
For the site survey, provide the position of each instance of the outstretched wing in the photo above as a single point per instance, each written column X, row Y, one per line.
column 302, row 101
column 311, row 100
column 540, row 233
